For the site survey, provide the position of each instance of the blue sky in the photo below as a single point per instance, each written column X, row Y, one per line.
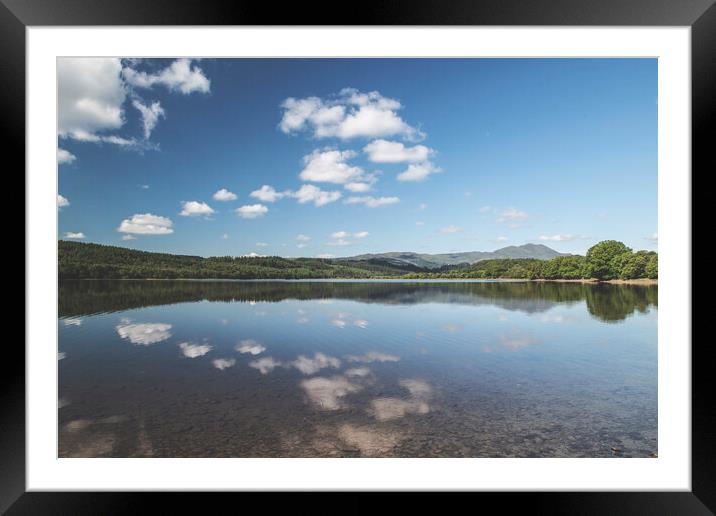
column 357, row 155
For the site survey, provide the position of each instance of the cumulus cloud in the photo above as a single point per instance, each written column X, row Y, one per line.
column 62, row 202
column 350, row 114
column 303, row 238
column 190, row 350
column 329, row 166
column 384, row 151
column 128, row 237
column 312, row 193
column 144, row 334
column 64, row 156
column 562, row 238
column 448, row 230
column 252, row 211
column 418, row 172
column 150, row 115
column 250, row 346
column 502, row 239
column 372, row 202
column 224, row 195
column 79, row 235
column 90, row 94
column 195, row 209
column 180, row 75
column 146, row 224
column 267, row 194
column 224, row 363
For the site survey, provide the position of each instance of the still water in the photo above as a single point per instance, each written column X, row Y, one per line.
column 356, row 369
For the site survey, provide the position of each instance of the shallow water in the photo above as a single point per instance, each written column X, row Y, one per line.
column 356, row 369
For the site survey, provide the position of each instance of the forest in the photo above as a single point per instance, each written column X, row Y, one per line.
column 607, row 260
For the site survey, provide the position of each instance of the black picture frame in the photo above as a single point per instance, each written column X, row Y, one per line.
column 700, row 15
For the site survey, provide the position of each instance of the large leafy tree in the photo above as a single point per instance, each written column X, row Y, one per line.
column 605, row 259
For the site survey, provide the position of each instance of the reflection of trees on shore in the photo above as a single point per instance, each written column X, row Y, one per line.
column 615, row 302
column 605, row 302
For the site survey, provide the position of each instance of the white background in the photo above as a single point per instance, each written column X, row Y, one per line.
column 672, row 468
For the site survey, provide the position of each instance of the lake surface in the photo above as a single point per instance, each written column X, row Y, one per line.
column 356, row 369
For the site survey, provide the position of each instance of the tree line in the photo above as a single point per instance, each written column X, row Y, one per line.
column 607, row 260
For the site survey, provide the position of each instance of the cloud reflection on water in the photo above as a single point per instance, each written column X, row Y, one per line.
column 144, row 334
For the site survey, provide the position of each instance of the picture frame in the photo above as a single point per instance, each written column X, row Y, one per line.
column 17, row 15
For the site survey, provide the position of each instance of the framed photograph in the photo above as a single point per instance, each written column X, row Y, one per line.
column 440, row 249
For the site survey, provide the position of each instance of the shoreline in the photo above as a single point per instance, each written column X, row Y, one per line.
column 592, row 281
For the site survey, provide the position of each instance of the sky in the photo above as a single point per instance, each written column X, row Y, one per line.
column 339, row 157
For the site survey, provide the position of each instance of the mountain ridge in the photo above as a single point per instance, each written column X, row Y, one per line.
column 434, row 261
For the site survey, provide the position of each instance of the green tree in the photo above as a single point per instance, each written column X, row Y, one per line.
column 633, row 266
column 652, row 267
column 604, row 258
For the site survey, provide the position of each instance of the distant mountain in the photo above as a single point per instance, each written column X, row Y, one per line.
column 434, row 261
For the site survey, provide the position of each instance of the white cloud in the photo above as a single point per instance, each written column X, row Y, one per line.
column 261, row 244
column 358, row 187
column 450, row 230
column 309, row 366
column 64, row 156
column 311, row 193
column 150, row 115
column 419, row 223
column 418, row 172
column 350, row 114
column 225, row 236
column 194, row 350
column 329, row 166
column 653, row 238
column 78, row 235
column 224, row 363
column 178, row 76
column 372, row 202
column 373, row 356
column 511, row 215
column 224, row 195
column 267, row 194
column 361, row 234
column 384, row 151
column 195, row 209
column 422, row 206
column 62, row 202
column 90, row 94
column 252, row 211
column 325, row 256
column 144, row 334
column 562, row 238
column 146, row 224
column 303, row 238
column 250, row 346
column 128, row 237
column 265, row 365
column 340, row 234
column 502, row 239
